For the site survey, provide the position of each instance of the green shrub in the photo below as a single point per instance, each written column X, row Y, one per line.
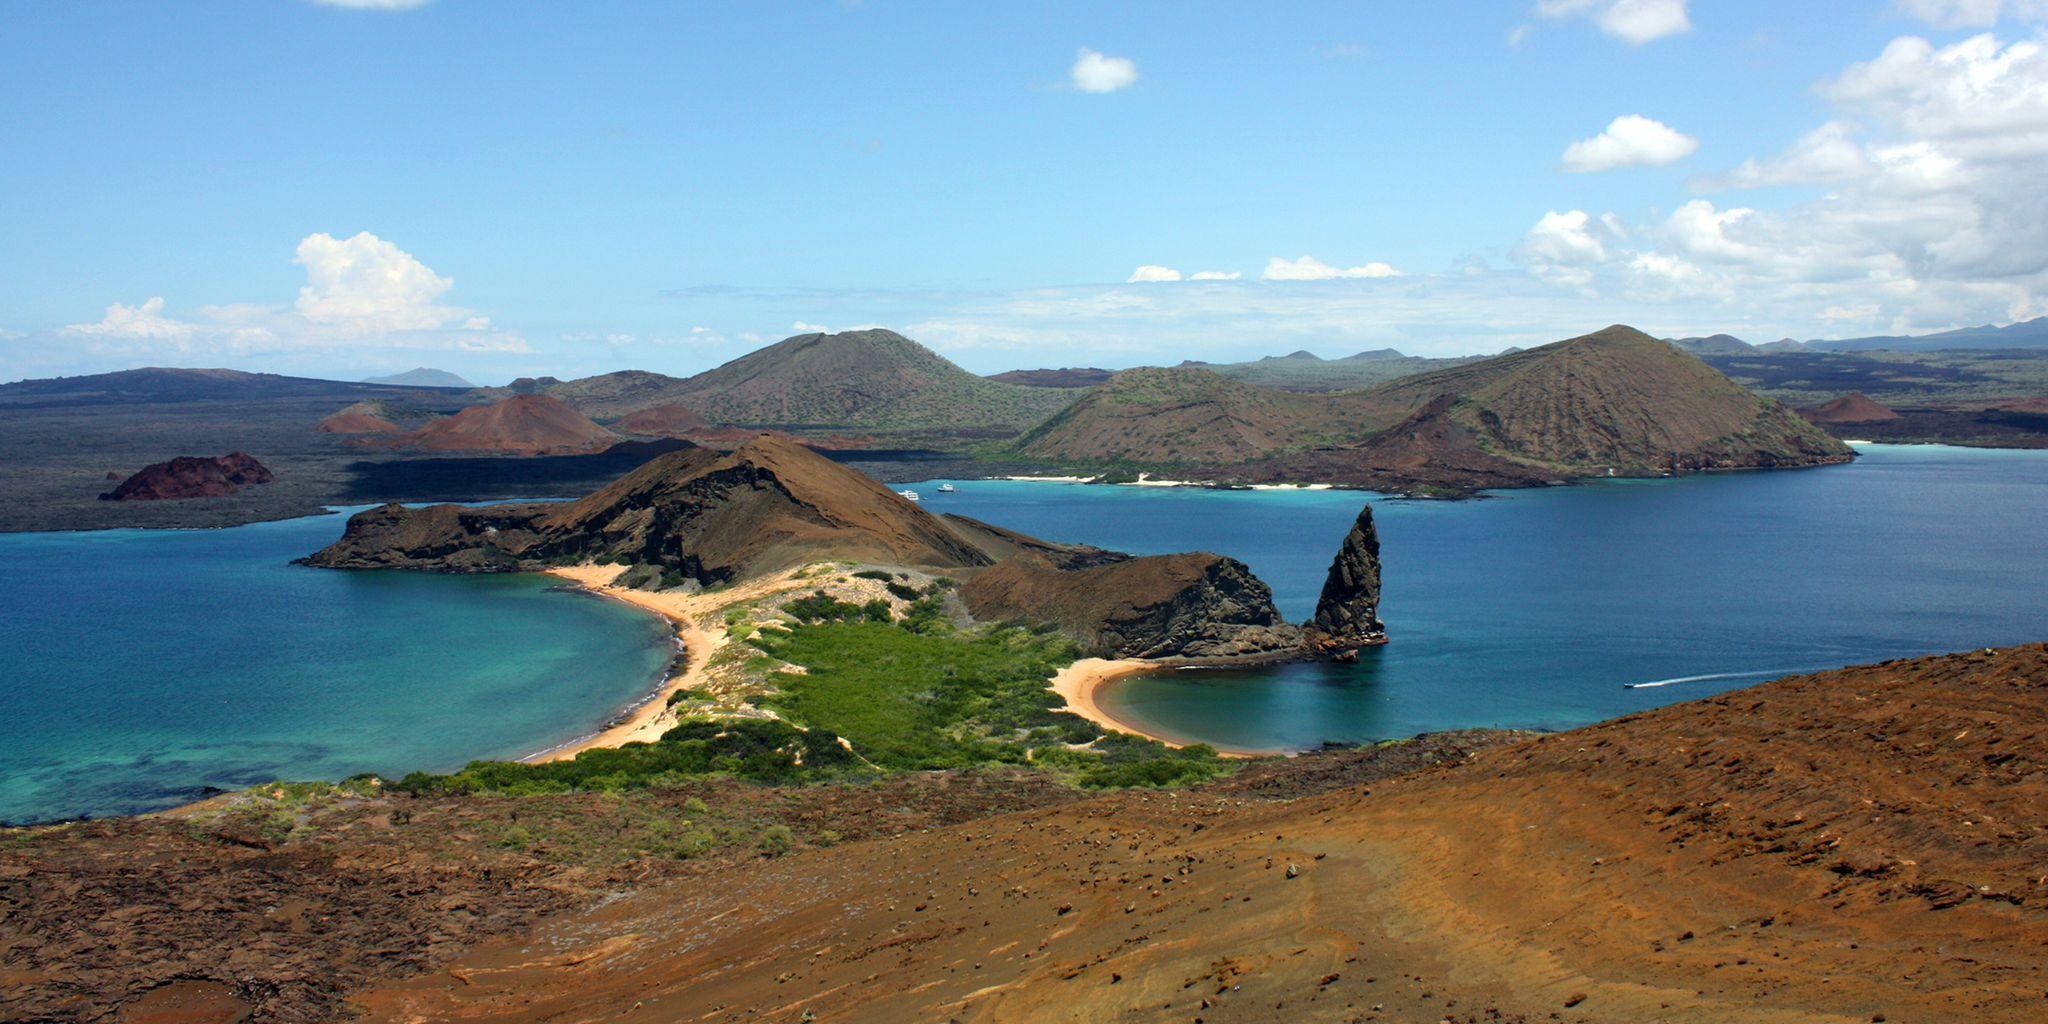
column 776, row 840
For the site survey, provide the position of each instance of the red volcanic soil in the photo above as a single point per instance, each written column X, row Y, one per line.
column 1859, row 845
column 522, row 424
column 191, row 476
column 719, row 437
column 360, row 418
column 1854, row 407
column 663, row 421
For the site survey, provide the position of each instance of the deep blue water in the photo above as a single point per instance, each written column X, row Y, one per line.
column 1532, row 608
column 141, row 667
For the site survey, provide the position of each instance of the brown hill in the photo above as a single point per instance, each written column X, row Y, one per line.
column 1854, row 407
column 360, row 418
column 1182, row 415
column 669, row 420
column 873, row 378
column 191, row 476
column 522, row 424
column 1614, row 399
column 1064, row 377
column 1859, row 845
column 697, row 513
column 605, row 396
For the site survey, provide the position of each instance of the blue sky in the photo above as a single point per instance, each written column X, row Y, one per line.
column 502, row 188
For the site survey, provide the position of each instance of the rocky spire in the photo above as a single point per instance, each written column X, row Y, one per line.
column 1347, row 614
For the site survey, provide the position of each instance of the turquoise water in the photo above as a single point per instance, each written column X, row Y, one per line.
column 142, row 667
column 1532, row 609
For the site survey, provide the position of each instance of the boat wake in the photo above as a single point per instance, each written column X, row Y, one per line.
column 1675, row 680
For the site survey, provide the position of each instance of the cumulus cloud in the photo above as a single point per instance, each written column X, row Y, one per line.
column 1630, row 140
column 1308, row 268
column 361, row 292
column 1637, row 21
column 364, row 283
column 146, row 320
column 1153, row 272
column 1929, row 211
column 1562, row 248
column 1097, row 72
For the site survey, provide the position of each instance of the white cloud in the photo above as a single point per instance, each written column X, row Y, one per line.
column 806, row 328
column 367, row 284
column 1153, row 272
column 374, row 5
column 1214, row 275
column 1951, row 14
column 1563, row 247
column 1096, row 72
column 1637, row 21
column 146, row 320
column 360, row 293
column 1630, row 140
column 1308, row 268
column 1932, row 213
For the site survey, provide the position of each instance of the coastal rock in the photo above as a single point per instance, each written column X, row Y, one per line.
column 1191, row 605
column 1347, row 613
column 191, row 476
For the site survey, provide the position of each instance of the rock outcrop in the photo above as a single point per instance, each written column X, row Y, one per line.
column 191, row 476
column 1347, row 614
column 1193, row 605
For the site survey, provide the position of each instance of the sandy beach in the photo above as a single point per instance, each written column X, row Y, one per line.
column 1078, row 684
column 699, row 630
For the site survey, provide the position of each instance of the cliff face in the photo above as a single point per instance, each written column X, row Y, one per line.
column 190, row 476
column 1347, row 613
column 1194, row 605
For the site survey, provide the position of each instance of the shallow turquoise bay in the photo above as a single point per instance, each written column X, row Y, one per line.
column 1533, row 608
column 143, row 667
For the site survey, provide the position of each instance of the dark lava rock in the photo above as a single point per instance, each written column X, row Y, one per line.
column 1193, row 605
column 1347, row 613
column 191, row 476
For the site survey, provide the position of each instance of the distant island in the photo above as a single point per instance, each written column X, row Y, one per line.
column 422, row 377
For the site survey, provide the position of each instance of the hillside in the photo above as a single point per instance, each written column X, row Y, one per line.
column 369, row 417
column 1063, row 377
column 1857, row 845
column 1714, row 344
column 1616, row 398
column 164, row 385
column 522, row 424
column 663, row 421
column 1181, row 415
column 1854, row 407
column 873, row 379
column 1305, row 371
column 605, row 396
column 2025, row 334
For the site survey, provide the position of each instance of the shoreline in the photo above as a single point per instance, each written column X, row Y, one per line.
column 644, row 720
column 1081, row 682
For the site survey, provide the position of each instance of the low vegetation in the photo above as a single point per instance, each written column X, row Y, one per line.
column 859, row 690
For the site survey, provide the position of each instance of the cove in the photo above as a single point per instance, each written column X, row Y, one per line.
column 1534, row 608
column 144, row 667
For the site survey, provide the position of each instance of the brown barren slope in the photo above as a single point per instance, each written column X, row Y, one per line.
column 1851, row 846
column 522, row 424
column 1854, row 407
column 663, row 421
column 1182, row 414
column 360, row 418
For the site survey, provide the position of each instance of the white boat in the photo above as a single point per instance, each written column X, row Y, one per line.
column 947, row 488
column 912, row 495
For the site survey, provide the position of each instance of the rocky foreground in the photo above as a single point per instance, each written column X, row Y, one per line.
column 1859, row 845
